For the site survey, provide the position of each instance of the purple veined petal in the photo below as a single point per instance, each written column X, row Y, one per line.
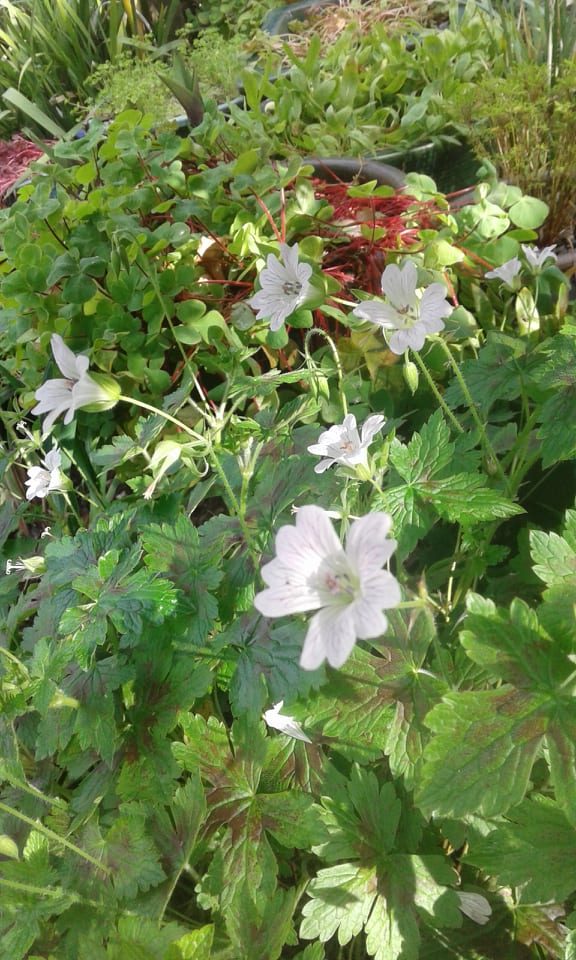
column 383, row 590
column 86, row 392
column 375, row 311
column 323, row 465
column 371, row 427
column 53, row 393
column 433, row 304
column 313, row 536
column 71, row 365
column 283, row 599
column 303, row 271
column 53, row 459
column 412, row 338
column 369, row 621
column 432, row 325
column 330, row 637
column 368, row 546
column 399, row 284
column 289, row 255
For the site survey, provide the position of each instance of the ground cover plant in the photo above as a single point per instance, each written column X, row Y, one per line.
column 287, row 663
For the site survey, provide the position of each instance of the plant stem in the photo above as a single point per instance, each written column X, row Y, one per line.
column 489, row 451
column 436, row 392
column 312, row 365
column 167, row 416
column 234, row 507
column 51, row 835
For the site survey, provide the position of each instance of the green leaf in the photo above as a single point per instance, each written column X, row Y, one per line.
column 132, row 857
column 196, row 945
column 528, row 213
column 495, row 375
column 388, row 905
column 236, row 800
column 533, row 850
column 273, row 654
column 463, row 498
column 555, row 374
column 554, row 556
column 481, row 754
column 176, row 550
column 513, row 647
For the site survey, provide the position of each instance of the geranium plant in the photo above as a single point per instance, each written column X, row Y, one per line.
column 229, row 731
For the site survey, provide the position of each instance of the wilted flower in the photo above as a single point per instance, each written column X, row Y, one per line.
column 33, row 566
column 47, row 479
column 288, row 725
column 343, row 444
column 77, row 390
column 347, row 586
column 508, row 273
column 284, row 286
column 410, row 313
column 475, row 906
column 537, row 258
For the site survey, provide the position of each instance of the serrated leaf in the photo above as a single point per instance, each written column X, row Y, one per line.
column 482, row 751
column 513, row 647
column 495, row 375
column 464, row 498
column 273, row 654
column 554, row 556
column 196, row 945
column 555, row 374
column 360, row 815
column 389, row 905
column 427, row 454
column 236, row 801
column 176, row 550
column 534, row 850
column 131, row 856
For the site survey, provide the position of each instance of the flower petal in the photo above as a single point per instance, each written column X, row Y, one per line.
column 367, row 545
column 377, row 312
column 69, row 364
column 399, row 284
column 371, row 427
column 330, row 637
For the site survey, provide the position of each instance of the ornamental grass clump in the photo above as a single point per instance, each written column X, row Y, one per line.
column 527, row 130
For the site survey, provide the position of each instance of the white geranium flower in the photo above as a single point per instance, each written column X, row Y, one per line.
column 508, row 273
column 284, row 286
column 343, row 444
column 77, row 390
column 410, row 313
column 347, row 586
column 537, row 258
column 47, row 479
column 288, row 725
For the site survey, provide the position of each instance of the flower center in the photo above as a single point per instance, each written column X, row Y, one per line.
column 291, row 288
column 407, row 317
column 336, row 582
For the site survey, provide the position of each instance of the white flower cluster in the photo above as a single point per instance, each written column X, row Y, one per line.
column 411, row 313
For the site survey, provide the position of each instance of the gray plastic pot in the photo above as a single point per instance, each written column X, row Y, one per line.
column 335, row 169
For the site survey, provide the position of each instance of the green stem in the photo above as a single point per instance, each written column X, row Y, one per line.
column 489, row 451
column 33, row 791
column 235, row 508
column 50, row 835
column 436, row 392
column 167, row 416
column 312, row 365
column 37, row 891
